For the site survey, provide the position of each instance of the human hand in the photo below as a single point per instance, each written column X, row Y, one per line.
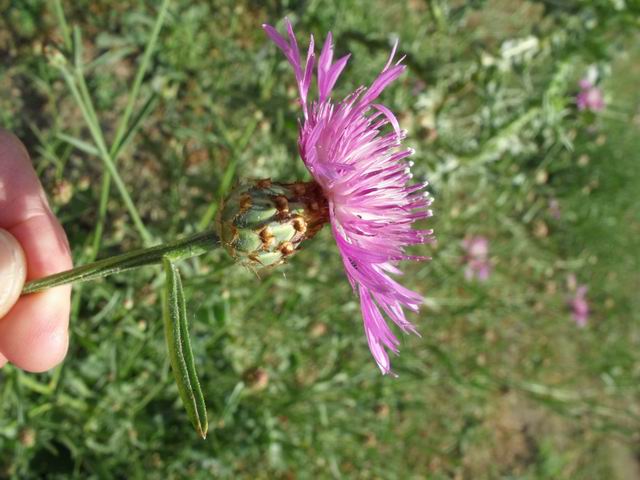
column 33, row 330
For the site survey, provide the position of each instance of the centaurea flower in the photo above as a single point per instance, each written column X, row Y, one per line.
column 365, row 177
column 580, row 307
column 578, row 303
column 590, row 97
column 476, row 258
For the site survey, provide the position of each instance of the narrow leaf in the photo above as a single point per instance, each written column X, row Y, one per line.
column 146, row 109
column 79, row 144
column 179, row 347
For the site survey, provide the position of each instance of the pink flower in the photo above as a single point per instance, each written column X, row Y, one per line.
column 579, row 306
column 476, row 258
column 590, row 97
column 365, row 177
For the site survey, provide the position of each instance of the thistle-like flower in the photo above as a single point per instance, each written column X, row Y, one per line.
column 578, row 302
column 353, row 150
column 590, row 96
column 476, row 258
column 580, row 307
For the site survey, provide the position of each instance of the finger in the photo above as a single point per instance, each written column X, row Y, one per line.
column 13, row 271
column 22, row 200
column 33, row 335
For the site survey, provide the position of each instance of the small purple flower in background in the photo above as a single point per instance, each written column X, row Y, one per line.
column 476, row 258
column 590, row 96
column 580, row 307
column 578, row 303
column 365, row 178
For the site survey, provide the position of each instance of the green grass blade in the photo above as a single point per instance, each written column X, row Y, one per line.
column 227, row 178
column 137, row 82
column 64, row 26
column 237, row 149
column 86, row 107
column 81, row 145
column 108, row 58
column 144, row 112
column 179, row 347
column 105, row 187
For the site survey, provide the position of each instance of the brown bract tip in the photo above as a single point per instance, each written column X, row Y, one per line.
column 266, row 236
column 286, row 248
column 245, row 202
column 316, row 212
column 282, row 204
column 264, row 183
column 299, row 225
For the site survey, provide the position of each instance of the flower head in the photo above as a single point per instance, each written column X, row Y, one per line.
column 578, row 303
column 476, row 258
column 590, row 96
column 580, row 307
column 362, row 169
column 262, row 223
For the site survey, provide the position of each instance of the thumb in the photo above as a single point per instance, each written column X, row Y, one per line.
column 13, row 271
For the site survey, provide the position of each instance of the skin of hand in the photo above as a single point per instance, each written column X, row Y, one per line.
column 34, row 328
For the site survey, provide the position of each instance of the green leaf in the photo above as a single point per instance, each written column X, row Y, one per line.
column 180, row 353
column 146, row 110
column 79, row 144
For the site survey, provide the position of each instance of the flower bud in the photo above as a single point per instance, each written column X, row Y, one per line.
column 262, row 223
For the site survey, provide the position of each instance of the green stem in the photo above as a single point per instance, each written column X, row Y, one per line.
column 107, row 161
column 137, row 81
column 188, row 247
column 64, row 26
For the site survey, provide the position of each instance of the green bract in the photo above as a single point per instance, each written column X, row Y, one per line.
column 263, row 222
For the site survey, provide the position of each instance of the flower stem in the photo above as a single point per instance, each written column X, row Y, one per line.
column 181, row 249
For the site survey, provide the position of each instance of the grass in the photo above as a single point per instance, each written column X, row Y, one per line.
column 502, row 384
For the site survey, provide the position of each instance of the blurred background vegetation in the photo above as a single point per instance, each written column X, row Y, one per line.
column 503, row 382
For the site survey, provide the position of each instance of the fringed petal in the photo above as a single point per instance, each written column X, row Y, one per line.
column 366, row 177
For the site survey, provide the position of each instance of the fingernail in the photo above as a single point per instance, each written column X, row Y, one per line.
column 13, row 271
